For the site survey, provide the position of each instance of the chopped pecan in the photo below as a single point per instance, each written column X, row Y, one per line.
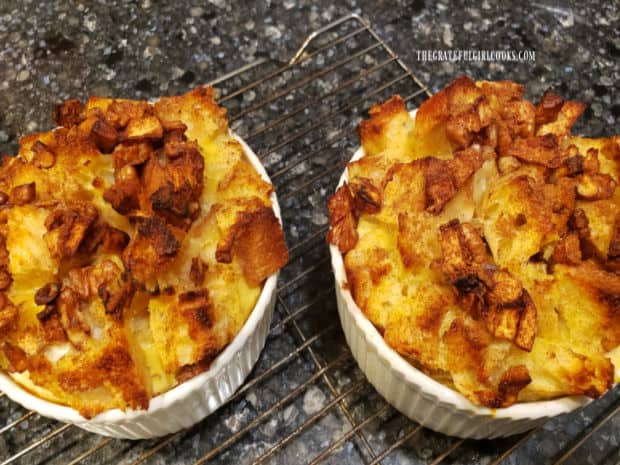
column 47, row 313
column 109, row 238
column 23, row 194
column 174, row 188
column 106, row 281
column 49, row 317
column 548, row 108
column 104, row 136
column 4, row 198
column 131, row 154
column 574, row 165
column 47, row 294
column 124, row 194
column 79, row 284
column 68, row 113
column 67, row 227
column 116, row 295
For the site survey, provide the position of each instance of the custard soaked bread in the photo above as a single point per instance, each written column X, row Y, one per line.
column 134, row 242
column 482, row 239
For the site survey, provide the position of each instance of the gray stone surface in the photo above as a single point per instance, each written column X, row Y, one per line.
column 55, row 50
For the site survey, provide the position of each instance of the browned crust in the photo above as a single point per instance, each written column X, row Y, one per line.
column 258, row 243
column 542, row 150
column 113, row 366
column 380, row 115
column 444, row 178
column 151, row 250
column 197, row 308
column 604, row 287
column 565, row 119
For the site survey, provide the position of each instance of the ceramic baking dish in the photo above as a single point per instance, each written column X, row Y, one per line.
column 419, row 396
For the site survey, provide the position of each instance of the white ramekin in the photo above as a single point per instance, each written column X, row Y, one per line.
column 419, row 396
column 191, row 401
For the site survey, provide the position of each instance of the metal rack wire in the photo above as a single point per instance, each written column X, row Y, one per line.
column 306, row 401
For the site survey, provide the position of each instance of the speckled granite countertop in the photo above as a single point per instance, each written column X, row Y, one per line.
column 50, row 51
column 55, row 50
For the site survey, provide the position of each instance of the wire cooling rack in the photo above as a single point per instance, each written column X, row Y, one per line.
column 306, row 401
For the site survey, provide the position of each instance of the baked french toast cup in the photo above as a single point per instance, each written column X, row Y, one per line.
column 472, row 292
column 142, row 245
